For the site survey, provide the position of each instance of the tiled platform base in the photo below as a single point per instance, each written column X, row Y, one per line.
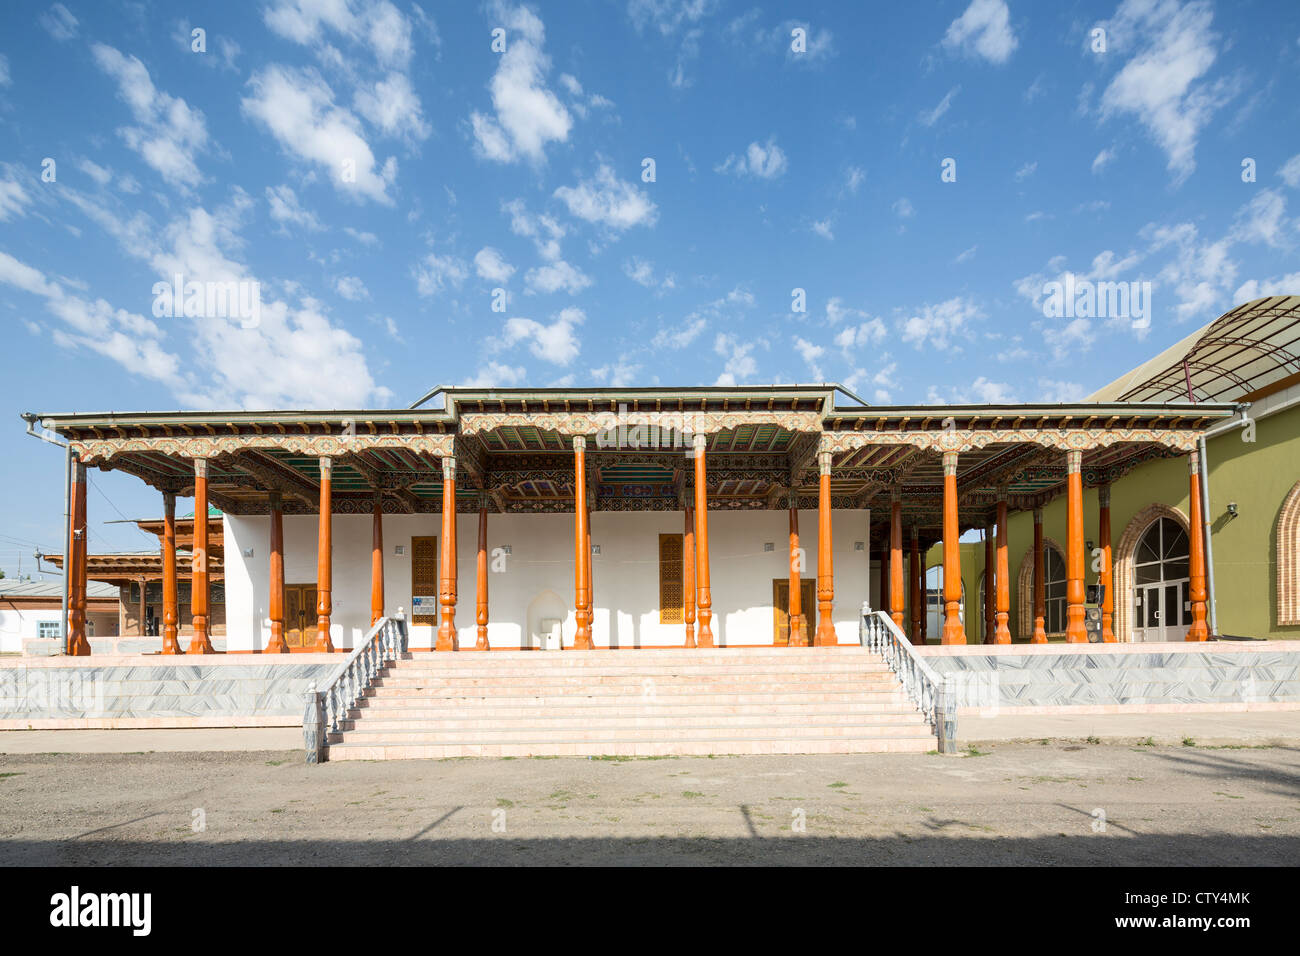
column 1123, row 678
column 656, row 703
column 78, row 693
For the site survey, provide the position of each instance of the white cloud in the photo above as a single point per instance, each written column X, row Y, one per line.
column 351, row 288
column 1025, row 171
column 527, row 114
column 870, row 332
column 170, row 131
column 937, row 326
column 642, row 272
column 929, row 118
column 498, row 375
column 1160, row 85
column 298, row 108
column 5, row 79
column 60, row 22
column 738, row 363
column 678, row 337
column 1058, row 392
column 810, row 353
column 491, row 265
column 556, row 276
column 286, row 210
column 545, row 231
column 392, row 106
column 760, row 161
column 12, row 200
column 555, row 343
column 984, row 30
column 365, row 238
column 854, row 178
column 1102, row 160
column 903, row 208
column 823, row 228
column 1290, row 171
column 434, row 274
column 966, row 254
column 1254, row 289
column 608, row 201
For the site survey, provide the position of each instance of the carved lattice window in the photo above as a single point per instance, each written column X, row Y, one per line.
column 671, row 592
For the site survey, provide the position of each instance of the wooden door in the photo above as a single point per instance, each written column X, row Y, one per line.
column 424, row 576
column 300, row 615
column 781, row 609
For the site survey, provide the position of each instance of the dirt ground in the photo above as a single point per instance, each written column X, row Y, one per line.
column 1015, row 803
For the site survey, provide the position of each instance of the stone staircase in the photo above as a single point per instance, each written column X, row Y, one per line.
column 641, row 703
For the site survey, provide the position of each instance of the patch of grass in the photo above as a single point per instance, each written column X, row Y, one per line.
column 15, row 773
column 925, row 809
column 972, row 752
column 504, row 803
column 1137, row 779
column 274, row 763
column 691, row 793
column 1094, row 740
column 837, row 784
column 1230, row 796
column 278, row 810
column 1189, row 742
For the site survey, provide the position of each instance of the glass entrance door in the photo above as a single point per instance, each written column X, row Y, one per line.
column 1163, row 611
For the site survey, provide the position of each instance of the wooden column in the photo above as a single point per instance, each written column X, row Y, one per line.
column 276, row 644
column 377, row 559
column 581, row 548
column 481, row 593
column 703, row 596
column 825, row 569
column 74, row 565
column 925, row 596
column 990, row 583
column 447, row 639
column 953, row 630
column 688, row 574
column 1199, row 631
column 1075, row 632
column 1107, row 570
column 914, row 585
column 199, row 643
column 170, row 615
column 1040, row 582
column 325, row 559
column 896, row 557
column 1002, row 634
column 798, row 636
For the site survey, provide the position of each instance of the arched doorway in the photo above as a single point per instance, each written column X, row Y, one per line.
column 1161, row 582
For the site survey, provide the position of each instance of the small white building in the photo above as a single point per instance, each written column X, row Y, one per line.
column 33, row 610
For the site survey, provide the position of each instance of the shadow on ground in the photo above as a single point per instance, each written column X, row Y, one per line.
column 1117, row 849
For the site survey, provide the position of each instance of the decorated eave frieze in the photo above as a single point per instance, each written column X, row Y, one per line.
column 103, row 449
column 613, row 429
column 963, row 440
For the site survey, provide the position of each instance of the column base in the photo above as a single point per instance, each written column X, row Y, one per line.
column 705, row 638
column 1001, row 632
column 1075, row 631
column 690, row 634
column 481, row 644
column 170, row 645
column 953, row 631
column 79, row 647
column 199, row 644
column 1040, row 632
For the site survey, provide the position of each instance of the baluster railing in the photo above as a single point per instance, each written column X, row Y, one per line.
column 328, row 707
column 932, row 694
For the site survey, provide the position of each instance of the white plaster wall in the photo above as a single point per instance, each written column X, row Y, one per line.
column 17, row 624
column 625, row 577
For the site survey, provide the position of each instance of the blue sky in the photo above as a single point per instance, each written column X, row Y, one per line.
column 378, row 170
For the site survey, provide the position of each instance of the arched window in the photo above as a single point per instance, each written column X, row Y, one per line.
column 1161, row 582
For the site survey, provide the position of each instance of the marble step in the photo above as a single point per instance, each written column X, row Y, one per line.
column 414, row 697
column 591, row 710
column 580, row 722
column 867, row 744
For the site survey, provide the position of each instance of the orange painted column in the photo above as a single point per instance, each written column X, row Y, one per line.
column 990, row 583
column 953, row 630
column 1199, row 631
column 481, row 595
column 377, row 560
column 447, row 639
column 581, row 548
column 1107, row 568
column 925, row 601
column 74, row 565
column 170, row 615
column 1002, row 635
column 798, row 634
column 914, row 584
column 688, row 574
column 1040, row 583
column 703, row 596
column 825, row 569
column 276, row 644
column 199, row 643
column 325, row 559
column 1075, row 632
column 896, row 557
